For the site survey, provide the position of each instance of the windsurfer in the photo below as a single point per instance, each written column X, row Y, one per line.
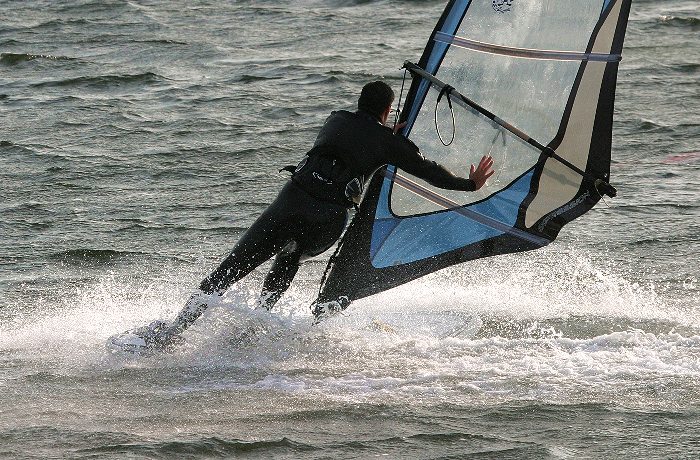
column 310, row 212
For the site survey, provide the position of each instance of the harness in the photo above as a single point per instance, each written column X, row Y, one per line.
column 325, row 176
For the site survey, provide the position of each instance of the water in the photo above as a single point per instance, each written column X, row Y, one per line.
column 139, row 139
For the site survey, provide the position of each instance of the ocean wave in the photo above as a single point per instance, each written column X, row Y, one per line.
column 653, row 127
column 213, row 446
column 679, row 21
column 692, row 67
column 678, row 242
column 9, row 146
column 46, row 154
column 295, row 73
column 33, row 206
column 586, row 328
column 451, row 444
column 654, row 208
column 180, row 229
column 91, row 256
column 316, row 79
column 47, row 436
column 9, row 41
column 248, row 78
column 111, row 443
column 92, row 7
column 33, row 226
column 59, row 23
column 10, row 59
column 280, row 113
column 68, row 185
column 102, row 81
column 162, row 41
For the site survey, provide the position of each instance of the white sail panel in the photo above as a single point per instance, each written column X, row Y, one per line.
column 559, row 184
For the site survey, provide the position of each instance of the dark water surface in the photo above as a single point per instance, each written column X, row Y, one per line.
column 140, row 138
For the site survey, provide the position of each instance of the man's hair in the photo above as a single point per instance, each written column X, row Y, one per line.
column 375, row 98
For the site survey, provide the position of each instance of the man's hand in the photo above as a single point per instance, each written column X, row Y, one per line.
column 399, row 126
column 481, row 172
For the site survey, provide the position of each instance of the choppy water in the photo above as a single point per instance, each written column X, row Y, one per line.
column 140, row 138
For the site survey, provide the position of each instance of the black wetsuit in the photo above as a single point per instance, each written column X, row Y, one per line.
column 297, row 225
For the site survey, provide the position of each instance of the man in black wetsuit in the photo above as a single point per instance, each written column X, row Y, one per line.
column 311, row 211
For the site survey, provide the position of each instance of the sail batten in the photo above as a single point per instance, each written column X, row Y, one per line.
column 544, row 75
column 526, row 53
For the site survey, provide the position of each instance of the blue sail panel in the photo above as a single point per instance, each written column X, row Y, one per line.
column 420, row 237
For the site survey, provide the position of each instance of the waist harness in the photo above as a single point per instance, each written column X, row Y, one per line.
column 325, row 176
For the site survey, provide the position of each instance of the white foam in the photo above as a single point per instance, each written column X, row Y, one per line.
column 504, row 328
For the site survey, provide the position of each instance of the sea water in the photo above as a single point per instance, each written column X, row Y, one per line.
column 139, row 139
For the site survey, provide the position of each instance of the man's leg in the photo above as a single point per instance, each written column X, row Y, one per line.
column 258, row 244
column 280, row 277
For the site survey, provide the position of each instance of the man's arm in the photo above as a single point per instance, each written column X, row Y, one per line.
column 408, row 158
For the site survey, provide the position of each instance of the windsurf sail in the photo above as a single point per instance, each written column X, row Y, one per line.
column 530, row 82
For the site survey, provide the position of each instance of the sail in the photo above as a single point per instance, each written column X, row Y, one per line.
column 532, row 83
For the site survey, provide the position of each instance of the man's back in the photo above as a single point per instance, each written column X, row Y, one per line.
column 365, row 144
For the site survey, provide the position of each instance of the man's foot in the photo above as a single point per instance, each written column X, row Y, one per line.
column 145, row 340
column 325, row 310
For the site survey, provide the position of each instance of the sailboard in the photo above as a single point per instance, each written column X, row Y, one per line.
column 530, row 82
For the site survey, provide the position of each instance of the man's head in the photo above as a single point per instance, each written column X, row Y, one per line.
column 376, row 98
